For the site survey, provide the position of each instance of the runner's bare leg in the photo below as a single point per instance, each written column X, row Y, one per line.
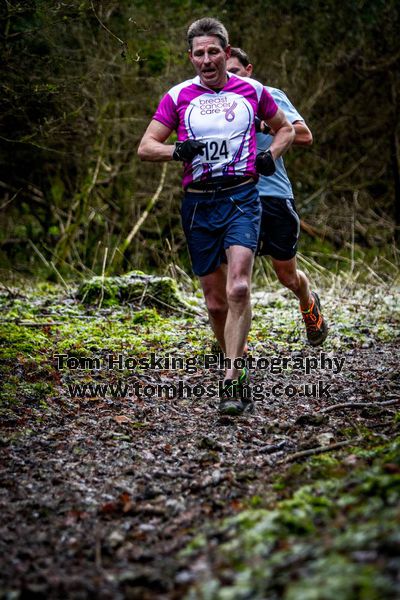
column 227, row 295
column 294, row 280
column 214, row 290
column 238, row 320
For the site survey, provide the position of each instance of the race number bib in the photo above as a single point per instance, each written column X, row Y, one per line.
column 216, row 150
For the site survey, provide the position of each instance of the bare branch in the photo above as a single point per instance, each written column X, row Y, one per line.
column 321, row 449
column 359, row 405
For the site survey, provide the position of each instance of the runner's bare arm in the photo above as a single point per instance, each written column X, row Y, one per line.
column 284, row 133
column 303, row 135
column 152, row 145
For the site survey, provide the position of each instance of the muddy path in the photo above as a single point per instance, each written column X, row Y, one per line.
column 104, row 496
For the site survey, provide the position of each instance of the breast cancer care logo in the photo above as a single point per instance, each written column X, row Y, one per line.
column 230, row 112
column 210, row 106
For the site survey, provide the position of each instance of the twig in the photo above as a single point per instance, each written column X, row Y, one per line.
column 311, row 264
column 191, row 311
column 375, row 275
column 271, row 448
column 184, row 274
column 146, row 212
column 332, row 183
column 355, row 196
column 60, row 276
column 35, row 145
column 10, row 200
column 146, row 285
column 40, row 255
column 106, row 28
column 70, row 266
column 319, row 233
column 32, row 323
column 102, row 276
column 48, row 265
column 357, row 404
column 65, row 242
column 321, row 449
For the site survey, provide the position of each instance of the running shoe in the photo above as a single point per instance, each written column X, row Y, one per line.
column 316, row 326
column 236, row 395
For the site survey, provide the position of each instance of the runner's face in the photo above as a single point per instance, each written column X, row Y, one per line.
column 209, row 60
column 233, row 65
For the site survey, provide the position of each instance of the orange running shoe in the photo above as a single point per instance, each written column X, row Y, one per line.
column 316, row 326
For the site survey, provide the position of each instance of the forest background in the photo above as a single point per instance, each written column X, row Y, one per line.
column 81, row 80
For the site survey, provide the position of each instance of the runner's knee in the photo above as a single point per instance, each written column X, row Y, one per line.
column 239, row 291
column 216, row 307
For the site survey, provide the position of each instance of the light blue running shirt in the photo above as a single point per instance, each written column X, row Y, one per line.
column 278, row 184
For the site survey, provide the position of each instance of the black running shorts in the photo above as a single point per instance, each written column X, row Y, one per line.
column 280, row 228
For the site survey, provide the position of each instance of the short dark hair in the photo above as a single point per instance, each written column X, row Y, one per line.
column 208, row 26
column 240, row 55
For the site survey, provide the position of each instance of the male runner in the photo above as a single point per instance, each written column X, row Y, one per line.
column 213, row 115
column 280, row 223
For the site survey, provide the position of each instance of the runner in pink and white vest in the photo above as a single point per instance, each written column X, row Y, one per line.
column 213, row 115
column 223, row 121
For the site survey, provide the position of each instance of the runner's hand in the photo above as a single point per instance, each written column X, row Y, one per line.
column 261, row 126
column 265, row 164
column 187, row 150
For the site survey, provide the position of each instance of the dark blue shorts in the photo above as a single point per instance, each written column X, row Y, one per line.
column 214, row 221
column 280, row 228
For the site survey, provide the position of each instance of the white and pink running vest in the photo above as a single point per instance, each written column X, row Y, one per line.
column 223, row 120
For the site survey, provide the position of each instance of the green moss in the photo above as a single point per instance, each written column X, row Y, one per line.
column 147, row 316
column 385, row 332
column 325, row 465
column 278, row 325
column 328, row 540
column 296, row 473
column 8, row 393
column 256, row 501
column 132, row 287
column 21, row 393
column 85, row 337
column 20, row 341
column 198, row 542
column 336, row 577
column 98, row 290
